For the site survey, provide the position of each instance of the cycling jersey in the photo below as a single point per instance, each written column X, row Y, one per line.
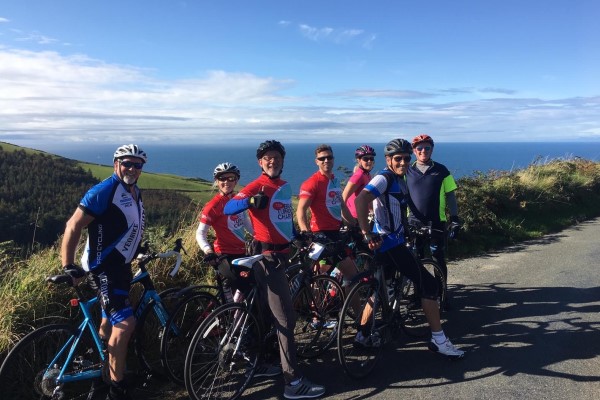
column 116, row 231
column 391, row 201
column 274, row 223
column 428, row 190
column 360, row 178
column 326, row 202
column 230, row 230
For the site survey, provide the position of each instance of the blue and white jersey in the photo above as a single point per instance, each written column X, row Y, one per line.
column 118, row 226
column 391, row 200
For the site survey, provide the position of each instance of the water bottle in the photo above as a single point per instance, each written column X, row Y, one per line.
column 335, row 274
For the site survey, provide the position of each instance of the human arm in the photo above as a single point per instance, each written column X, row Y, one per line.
column 303, row 206
column 349, row 190
column 202, row 238
column 452, row 204
column 73, row 229
column 236, row 205
column 347, row 215
column 361, row 203
column 248, row 224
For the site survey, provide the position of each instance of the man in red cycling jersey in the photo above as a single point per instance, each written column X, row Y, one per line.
column 322, row 195
column 269, row 202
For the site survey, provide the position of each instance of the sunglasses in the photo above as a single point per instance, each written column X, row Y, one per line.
column 421, row 148
column 129, row 164
column 366, row 159
column 328, row 158
column 227, row 178
column 406, row 159
column 271, row 158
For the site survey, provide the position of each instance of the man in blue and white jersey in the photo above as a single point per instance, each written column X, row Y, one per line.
column 388, row 193
column 113, row 213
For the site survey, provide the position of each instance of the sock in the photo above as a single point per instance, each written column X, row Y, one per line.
column 439, row 337
column 295, row 382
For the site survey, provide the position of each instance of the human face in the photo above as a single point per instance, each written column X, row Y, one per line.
column 423, row 152
column 324, row 161
column 226, row 183
column 271, row 163
column 398, row 163
column 366, row 162
column 126, row 169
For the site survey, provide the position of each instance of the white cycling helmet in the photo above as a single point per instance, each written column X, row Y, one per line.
column 224, row 168
column 130, row 150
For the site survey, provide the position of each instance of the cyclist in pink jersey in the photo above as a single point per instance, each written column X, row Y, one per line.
column 321, row 194
column 269, row 202
column 230, row 230
column 365, row 161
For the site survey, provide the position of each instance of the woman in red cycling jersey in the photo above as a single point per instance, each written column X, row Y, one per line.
column 230, row 230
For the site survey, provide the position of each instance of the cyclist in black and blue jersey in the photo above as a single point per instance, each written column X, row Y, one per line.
column 388, row 194
column 113, row 213
column 432, row 190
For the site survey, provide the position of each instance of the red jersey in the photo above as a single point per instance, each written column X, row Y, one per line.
column 326, row 204
column 229, row 229
column 274, row 223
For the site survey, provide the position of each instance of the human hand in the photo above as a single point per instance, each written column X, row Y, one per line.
column 259, row 200
column 211, row 259
column 454, row 227
column 75, row 272
column 373, row 240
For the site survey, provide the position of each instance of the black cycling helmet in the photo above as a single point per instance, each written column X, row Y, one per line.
column 225, row 168
column 268, row 146
column 397, row 146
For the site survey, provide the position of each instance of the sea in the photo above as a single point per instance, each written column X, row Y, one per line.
column 199, row 160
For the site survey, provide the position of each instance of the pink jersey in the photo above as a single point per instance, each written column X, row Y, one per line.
column 360, row 178
column 274, row 223
column 326, row 200
column 229, row 229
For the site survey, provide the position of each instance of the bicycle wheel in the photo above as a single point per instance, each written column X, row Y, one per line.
column 149, row 331
column 223, row 354
column 363, row 261
column 26, row 372
column 317, row 306
column 184, row 321
column 414, row 322
column 362, row 312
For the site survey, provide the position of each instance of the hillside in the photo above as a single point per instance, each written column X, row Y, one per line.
column 39, row 191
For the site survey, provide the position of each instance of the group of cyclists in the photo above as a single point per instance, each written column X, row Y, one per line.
column 402, row 193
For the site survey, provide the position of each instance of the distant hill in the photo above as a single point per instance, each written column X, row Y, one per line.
column 39, row 191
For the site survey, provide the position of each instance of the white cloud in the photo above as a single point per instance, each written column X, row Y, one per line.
column 337, row 36
column 52, row 97
column 2, row 19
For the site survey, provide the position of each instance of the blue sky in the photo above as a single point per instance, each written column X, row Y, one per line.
column 317, row 71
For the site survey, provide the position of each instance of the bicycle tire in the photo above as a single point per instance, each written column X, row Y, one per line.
column 181, row 326
column 414, row 322
column 359, row 361
column 22, row 372
column 363, row 261
column 223, row 354
column 148, row 334
column 317, row 306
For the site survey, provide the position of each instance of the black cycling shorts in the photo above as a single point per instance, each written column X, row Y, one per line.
column 113, row 283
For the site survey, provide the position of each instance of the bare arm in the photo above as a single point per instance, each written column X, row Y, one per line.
column 303, row 205
column 75, row 225
column 362, row 203
column 348, row 190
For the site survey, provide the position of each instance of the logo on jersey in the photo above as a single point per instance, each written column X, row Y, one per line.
column 126, row 200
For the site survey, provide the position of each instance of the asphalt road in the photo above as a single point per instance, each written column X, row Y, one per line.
column 528, row 316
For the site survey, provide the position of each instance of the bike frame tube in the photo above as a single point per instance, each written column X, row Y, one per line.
column 73, row 342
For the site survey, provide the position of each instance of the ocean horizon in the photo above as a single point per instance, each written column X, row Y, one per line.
column 199, row 160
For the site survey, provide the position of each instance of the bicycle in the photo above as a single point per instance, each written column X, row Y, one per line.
column 60, row 361
column 317, row 300
column 391, row 307
column 195, row 305
column 225, row 349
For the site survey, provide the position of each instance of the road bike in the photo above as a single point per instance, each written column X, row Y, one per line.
column 381, row 310
column 60, row 361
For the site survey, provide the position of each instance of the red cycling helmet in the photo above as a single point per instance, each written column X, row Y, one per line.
column 364, row 150
column 420, row 139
